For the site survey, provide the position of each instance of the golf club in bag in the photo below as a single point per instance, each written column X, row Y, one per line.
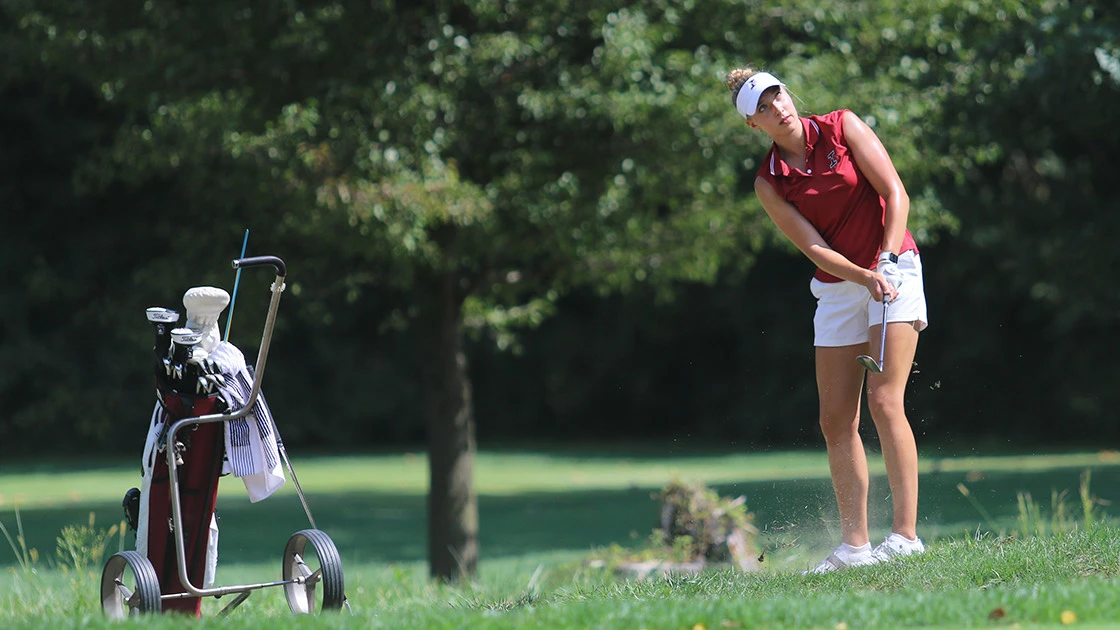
column 210, row 419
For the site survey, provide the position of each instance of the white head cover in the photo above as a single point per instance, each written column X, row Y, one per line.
column 747, row 101
column 204, row 305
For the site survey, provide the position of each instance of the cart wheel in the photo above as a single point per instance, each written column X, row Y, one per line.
column 310, row 568
column 137, row 594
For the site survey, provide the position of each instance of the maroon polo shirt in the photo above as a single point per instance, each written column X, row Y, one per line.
column 832, row 193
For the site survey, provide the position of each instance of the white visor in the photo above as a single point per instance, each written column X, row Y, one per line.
column 747, row 101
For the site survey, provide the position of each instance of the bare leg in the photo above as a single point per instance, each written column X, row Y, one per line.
column 839, row 386
column 885, row 396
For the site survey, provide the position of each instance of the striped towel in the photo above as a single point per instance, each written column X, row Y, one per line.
column 251, row 441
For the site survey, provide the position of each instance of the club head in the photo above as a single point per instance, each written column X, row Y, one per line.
column 869, row 364
column 160, row 315
column 185, row 337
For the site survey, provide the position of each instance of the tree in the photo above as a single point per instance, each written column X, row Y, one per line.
column 1029, row 155
column 483, row 159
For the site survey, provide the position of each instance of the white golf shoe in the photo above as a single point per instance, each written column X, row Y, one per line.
column 845, row 556
column 897, row 545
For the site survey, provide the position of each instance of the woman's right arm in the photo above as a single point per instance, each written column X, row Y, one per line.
column 806, row 238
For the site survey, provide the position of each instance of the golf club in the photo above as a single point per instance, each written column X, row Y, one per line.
column 163, row 320
column 183, row 342
column 869, row 363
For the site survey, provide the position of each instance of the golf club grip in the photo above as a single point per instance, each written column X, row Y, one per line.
column 257, row 261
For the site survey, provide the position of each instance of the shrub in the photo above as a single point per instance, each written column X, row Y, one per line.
column 698, row 529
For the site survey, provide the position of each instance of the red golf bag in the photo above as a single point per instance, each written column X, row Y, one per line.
column 201, row 451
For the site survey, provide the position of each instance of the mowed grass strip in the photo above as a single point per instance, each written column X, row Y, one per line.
column 48, row 484
column 1057, row 581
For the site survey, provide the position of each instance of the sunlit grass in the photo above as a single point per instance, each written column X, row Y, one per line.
column 511, row 473
column 962, row 582
column 542, row 514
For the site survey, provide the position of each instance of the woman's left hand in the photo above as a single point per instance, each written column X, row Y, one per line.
column 879, row 287
column 890, row 272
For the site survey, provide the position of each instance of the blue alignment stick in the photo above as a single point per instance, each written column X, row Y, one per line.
column 236, row 281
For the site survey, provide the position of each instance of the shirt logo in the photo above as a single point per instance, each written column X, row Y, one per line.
column 832, row 159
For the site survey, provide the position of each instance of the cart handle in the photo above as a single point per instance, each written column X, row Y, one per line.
column 254, row 392
column 258, row 261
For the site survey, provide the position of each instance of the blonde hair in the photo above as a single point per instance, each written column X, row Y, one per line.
column 736, row 77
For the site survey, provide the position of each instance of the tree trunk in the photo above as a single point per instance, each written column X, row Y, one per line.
column 449, row 420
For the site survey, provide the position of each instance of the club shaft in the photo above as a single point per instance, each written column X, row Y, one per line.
column 883, row 334
column 295, row 482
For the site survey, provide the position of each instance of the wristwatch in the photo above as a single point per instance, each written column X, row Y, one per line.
column 891, row 256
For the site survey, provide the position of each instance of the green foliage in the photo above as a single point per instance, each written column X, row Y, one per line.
column 577, row 140
column 698, row 522
column 543, row 154
column 81, row 548
column 1033, row 519
column 979, row 507
column 27, row 558
column 577, row 149
column 698, row 528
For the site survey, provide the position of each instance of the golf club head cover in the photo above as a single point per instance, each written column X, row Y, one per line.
column 204, row 305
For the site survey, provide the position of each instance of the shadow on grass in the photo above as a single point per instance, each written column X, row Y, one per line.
column 384, row 527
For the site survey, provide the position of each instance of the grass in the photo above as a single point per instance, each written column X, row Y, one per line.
column 541, row 515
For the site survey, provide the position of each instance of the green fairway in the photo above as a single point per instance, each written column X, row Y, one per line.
column 541, row 514
column 374, row 506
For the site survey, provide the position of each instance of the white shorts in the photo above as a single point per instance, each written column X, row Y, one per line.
column 846, row 310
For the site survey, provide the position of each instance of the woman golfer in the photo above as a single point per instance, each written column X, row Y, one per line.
column 830, row 187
